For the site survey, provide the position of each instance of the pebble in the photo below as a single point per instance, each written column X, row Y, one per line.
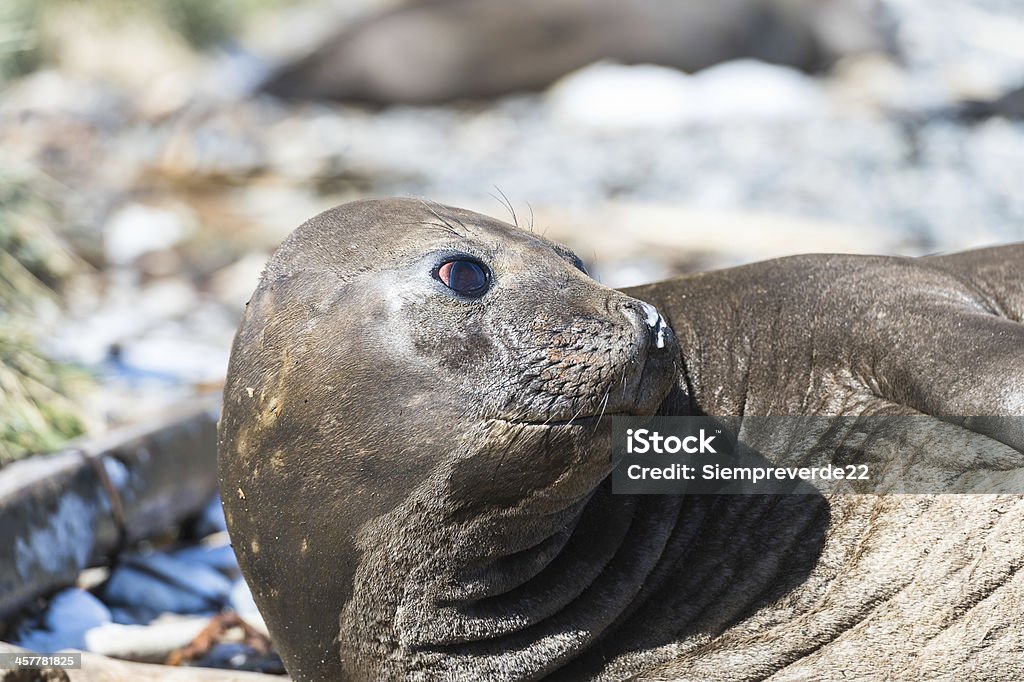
column 71, row 613
column 143, row 587
column 612, row 96
column 136, row 229
column 220, row 557
column 151, row 642
column 174, row 356
column 238, row 656
column 76, row 609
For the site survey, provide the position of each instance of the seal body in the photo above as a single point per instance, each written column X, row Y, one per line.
column 415, row 456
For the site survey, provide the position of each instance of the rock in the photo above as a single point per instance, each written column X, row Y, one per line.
column 238, row 656
column 44, row 641
column 198, row 578
column 220, row 557
column 152, row 598
column 201, row 145
column 75, row 609
column 615, row 96
column 92, row 578
column 167, row 298
column 152, row 642
column 54, row 512
column 49, row 91
column 749, row 90
column 136, row 229
column 70, row 614
column 147, row 586
column 607, row 95
column 130, row 616
column 172, row 357
column 1009, row 105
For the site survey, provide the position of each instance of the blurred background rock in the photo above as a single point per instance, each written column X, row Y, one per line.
column 153, row 154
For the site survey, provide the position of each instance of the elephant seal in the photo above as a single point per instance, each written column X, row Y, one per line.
column 435, row 51
column 414, row 460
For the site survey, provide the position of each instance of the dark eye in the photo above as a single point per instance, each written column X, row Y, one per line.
column 465, row 277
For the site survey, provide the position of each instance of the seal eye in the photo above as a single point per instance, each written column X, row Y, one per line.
column 465, row 277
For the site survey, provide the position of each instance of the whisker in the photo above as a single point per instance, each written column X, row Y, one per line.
column 441, row 218
column 575, row 415
column 442, row 227
column 507, row 204
column 454, row 217
column 604, row 406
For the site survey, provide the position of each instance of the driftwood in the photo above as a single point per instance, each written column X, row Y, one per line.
column 63, row 512
column 96, row 668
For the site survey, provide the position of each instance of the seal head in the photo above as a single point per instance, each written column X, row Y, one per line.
column 414, row 423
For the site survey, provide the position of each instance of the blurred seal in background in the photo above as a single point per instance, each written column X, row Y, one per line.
column 441, row 50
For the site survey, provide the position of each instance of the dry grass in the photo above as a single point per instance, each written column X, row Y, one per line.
column 202, row 24
column 37, row 408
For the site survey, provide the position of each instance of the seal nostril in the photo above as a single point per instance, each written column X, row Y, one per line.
column 654, row 321
column 652, row 316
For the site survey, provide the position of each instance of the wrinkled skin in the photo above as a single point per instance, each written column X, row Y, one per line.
column 416, row 483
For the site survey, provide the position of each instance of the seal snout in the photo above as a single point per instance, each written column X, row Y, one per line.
column 656, row 351
column 651, row 325
column 656, row 323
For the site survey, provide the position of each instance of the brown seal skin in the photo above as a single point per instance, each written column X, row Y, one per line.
column 416, row 480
